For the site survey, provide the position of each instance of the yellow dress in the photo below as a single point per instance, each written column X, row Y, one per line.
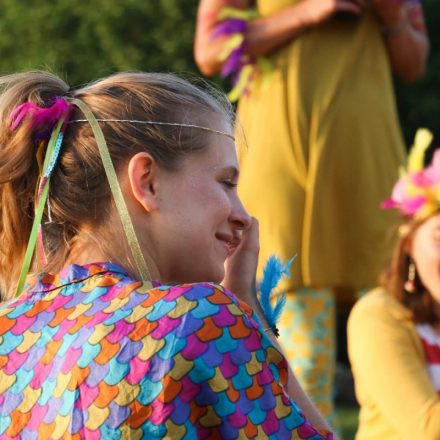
column 323, row 150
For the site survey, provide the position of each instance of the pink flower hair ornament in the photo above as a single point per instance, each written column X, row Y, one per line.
column 44, row 119
column 417, row 193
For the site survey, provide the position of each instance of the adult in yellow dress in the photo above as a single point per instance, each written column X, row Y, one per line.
column 323, row 147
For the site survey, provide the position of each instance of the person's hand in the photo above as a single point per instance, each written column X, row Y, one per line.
column 390, row 12
column 318, row 11
column 241, row 264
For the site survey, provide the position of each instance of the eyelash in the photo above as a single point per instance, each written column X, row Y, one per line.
column 229, row 184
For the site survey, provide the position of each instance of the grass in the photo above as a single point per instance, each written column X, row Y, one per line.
column 348, row 419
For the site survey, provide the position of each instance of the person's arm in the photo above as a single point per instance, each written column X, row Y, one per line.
column 240, row 279
column 294, row 389
column 386, row 362
column 263, row 35
column 241, row 376
column 405, row 35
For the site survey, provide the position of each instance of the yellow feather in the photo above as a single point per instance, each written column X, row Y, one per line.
column 242, row 14
column 242, row 83
column 402, row 171
column 234, row 42
column 416, row 156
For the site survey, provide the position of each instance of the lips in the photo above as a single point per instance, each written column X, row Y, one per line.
column 225, row 238
column 230, row 241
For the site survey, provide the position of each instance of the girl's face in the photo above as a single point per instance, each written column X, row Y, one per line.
column 425, row 251
column 199, row 214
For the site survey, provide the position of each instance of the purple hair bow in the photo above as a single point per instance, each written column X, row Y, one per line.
column 43, row 118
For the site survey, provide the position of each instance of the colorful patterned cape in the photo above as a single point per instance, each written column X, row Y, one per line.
column 92, row 353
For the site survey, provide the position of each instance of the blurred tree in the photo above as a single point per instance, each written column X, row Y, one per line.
column 83, row 40
column 419, row 102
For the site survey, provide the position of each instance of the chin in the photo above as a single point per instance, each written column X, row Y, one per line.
column 214, row 275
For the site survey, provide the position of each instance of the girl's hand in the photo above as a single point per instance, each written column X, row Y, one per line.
column 390, row 12
column 318, row 11
column 241, row 264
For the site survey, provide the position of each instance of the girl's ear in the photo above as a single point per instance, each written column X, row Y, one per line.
column 143, row 177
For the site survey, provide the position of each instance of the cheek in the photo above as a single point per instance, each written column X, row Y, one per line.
column 432, row 251
column 427, row 254
column 214, row 200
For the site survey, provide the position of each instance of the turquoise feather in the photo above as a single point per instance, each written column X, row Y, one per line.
column 274, row 270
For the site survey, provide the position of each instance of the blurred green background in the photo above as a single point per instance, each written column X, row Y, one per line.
column 82, row 40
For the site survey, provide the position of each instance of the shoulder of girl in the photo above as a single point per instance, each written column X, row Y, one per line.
column 192, row 292
column 378, row 305
column 201, row 300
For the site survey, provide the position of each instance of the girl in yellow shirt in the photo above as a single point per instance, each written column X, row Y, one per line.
column 394, row 331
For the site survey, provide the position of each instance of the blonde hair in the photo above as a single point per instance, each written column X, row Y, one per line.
column 79, row 192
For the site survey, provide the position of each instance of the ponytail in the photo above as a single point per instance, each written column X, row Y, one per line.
column 19, row 166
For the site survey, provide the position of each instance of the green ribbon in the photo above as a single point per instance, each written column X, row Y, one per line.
column 39, row 210
column 114, row 187
column 116, row 191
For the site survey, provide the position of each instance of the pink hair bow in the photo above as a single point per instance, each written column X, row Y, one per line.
column 43, row 118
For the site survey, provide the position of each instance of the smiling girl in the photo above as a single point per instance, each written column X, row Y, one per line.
column 127, row 188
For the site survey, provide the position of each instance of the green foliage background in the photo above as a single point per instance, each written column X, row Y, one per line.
column 419, row 103
column 83, row 40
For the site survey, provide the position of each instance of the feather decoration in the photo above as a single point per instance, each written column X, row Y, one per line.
column 273, row 272
column 241, row 14
column 44, row 119
column 417, row 192
column 240, row 67
column 416, row 156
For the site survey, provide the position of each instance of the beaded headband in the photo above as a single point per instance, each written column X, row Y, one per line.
column 171, row 124
column 417, row 193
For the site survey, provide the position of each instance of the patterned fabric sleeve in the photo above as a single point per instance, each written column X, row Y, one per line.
column 232, row 377
column 107, row 358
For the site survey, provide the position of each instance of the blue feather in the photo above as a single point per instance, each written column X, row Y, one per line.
column 273, row 272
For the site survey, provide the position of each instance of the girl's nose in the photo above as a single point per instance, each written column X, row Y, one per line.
column 239, row 216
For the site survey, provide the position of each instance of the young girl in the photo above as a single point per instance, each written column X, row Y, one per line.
column 394, row 330
column 127, row 190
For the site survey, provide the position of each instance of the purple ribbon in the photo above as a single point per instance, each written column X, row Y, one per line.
column 234, row 62
column 230, row 26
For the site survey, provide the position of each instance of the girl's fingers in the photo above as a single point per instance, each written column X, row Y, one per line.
column 250, row 237
column 354, row 7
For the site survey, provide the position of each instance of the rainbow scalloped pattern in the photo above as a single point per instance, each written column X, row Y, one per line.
column 92, row 353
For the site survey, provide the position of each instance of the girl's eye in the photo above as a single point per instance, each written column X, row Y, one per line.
column 229, row 183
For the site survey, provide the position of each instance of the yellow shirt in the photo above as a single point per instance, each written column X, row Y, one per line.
column 393, row 387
